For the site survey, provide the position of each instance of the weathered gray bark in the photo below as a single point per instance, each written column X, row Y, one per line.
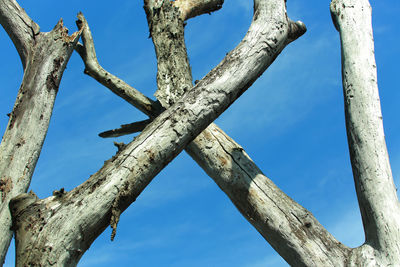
column 285, row 224
column 375, row 188
column 59, row 229
column 292, row 230
column 44, row 57
column 289, row 228
column 63, row 226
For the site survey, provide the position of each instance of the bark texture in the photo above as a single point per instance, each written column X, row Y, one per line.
column 44, row 56
column 292, row 230
column 375, row 188
column 69, row 222
column 227, row 163
column 166, row 26
column 59, row 229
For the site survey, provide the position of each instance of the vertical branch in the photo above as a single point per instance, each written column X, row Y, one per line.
column 174, row 76
column 46, row 56
column 369, row 157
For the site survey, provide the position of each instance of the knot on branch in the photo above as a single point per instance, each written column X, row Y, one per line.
column 59, row 193
column 296, row 29
column 120, row 146
column 19, row 203
column 6, row 185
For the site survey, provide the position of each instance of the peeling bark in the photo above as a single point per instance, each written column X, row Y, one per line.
column 166, row 26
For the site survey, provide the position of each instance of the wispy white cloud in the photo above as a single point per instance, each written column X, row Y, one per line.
column 348, row 228
column 139, row 244
column 274, row 100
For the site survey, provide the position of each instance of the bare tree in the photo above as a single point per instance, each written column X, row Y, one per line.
column 57, row 230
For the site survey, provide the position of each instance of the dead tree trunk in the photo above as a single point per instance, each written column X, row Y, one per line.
column 375, row 188
column 44, row 57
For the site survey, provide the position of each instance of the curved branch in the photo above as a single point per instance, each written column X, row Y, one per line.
column 19, row 26
column 69, row 223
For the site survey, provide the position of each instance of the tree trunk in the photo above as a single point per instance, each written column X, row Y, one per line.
column 44, row 57
column 375, row 188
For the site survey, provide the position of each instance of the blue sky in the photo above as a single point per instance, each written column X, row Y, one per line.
column 290, row 122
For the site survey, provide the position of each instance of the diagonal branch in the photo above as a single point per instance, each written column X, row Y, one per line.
column 71, row 221
column 119, row 87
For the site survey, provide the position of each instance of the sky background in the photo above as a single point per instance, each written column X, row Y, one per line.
column 291, row 122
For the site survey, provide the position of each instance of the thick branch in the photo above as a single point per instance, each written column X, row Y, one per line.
column 68, row 224
column 19, row 26
column 29, row 120
column 375, row 188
